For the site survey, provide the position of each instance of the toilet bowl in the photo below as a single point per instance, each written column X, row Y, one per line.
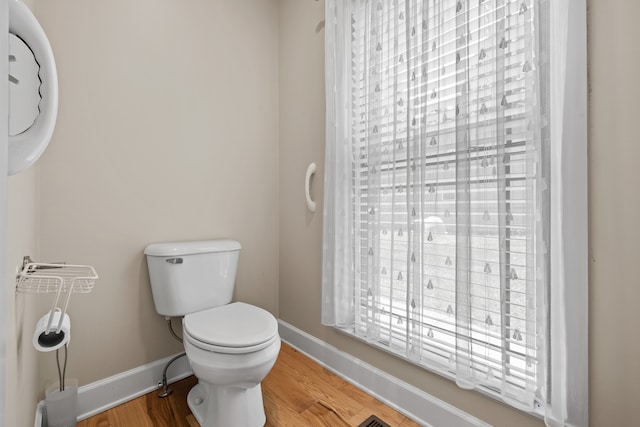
column 231, row 346
column 230, row 362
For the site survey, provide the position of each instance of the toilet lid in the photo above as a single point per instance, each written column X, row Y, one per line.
column 233, row 325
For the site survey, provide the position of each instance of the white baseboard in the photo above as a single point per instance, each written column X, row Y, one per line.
column 105, row 394
column 414, row 403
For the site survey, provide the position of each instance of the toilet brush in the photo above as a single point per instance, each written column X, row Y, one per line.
column 62, row 372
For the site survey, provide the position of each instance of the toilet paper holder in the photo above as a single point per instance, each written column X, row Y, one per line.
column 59, row 278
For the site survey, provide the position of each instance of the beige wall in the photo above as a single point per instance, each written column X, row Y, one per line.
column 22, row 311
column 167, row 131
column 614, row 205
column 301, row 142
column 614, row 181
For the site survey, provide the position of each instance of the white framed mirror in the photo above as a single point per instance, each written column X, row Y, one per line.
column 33, row 86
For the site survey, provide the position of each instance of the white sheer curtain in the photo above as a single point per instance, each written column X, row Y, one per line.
column 566, row 368
column 437, row 213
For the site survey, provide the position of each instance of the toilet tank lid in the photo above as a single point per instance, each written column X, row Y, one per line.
column 188, row 248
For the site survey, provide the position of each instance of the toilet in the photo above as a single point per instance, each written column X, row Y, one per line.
column 231, row 346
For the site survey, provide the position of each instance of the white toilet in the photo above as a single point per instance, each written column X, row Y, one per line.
column 231, row 346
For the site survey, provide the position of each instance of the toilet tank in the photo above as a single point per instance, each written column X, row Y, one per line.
column 192, row 276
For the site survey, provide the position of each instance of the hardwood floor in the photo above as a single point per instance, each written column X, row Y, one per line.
column 297, row 392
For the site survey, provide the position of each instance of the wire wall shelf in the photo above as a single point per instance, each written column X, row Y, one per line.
column 39, row 278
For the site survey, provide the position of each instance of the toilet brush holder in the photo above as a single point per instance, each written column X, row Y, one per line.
column 62, row 405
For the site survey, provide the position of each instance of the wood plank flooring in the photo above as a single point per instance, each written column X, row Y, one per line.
column 297, row 392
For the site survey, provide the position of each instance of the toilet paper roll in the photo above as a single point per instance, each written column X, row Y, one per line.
column 48, row 339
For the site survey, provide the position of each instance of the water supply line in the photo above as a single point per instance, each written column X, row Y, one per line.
column 173, row 333
column 162, row 385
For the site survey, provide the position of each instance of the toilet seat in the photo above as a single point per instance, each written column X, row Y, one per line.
column 234, row 328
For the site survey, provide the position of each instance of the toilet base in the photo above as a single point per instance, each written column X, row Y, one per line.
column 217, row 406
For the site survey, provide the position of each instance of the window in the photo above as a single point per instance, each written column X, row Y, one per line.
column 438, row 208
